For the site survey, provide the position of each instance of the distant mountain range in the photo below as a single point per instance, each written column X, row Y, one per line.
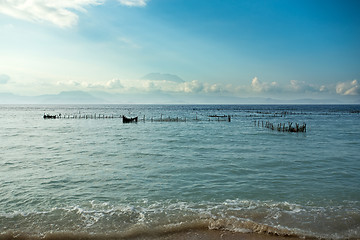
column 163, row 76
column 80, row 97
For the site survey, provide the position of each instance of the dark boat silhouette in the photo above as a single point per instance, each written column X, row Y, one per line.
column 129, row 120
column 47, row 116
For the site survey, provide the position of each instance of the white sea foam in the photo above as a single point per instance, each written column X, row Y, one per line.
column 231, row 215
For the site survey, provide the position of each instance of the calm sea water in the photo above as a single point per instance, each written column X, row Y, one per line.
column 102, row 176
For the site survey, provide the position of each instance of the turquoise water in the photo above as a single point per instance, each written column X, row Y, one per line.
column 102, row 176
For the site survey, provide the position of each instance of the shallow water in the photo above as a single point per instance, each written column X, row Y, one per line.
column 102, row 176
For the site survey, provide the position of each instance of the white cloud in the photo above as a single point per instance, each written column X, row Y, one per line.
column 133, row 3
column 259, row 86
column 145, row 85
column 58, row 12
column 302, row 87
column 112, row 84
column 192, row 87
column 348, row 88
column 294, row 86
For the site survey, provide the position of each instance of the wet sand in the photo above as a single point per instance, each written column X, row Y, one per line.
column 192, row 234
column 218, row 234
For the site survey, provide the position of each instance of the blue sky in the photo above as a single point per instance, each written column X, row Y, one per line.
column 271, row 48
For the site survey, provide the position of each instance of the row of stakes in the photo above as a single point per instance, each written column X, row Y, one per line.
column 282, row 127
column 152, row 119
column 48, row 116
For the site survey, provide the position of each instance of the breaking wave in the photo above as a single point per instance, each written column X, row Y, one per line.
column 98, row 220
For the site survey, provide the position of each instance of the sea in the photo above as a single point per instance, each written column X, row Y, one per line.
column 180, row 167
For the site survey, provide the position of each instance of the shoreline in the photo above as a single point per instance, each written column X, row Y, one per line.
column 208, row 234
column 188, row 234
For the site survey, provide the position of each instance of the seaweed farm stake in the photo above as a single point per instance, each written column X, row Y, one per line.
column 282, row 127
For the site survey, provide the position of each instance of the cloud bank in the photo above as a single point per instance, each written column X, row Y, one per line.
column 146, row 85
column 62, row 13
column 114, row 84
column 172, row 84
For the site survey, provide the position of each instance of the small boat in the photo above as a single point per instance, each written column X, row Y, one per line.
column 47, row 116
column 129, row 120
column 221, row 116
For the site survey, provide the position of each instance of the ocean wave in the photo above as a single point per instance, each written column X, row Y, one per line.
column 160, row 217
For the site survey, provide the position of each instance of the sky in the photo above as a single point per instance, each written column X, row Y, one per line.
column 237, row 48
